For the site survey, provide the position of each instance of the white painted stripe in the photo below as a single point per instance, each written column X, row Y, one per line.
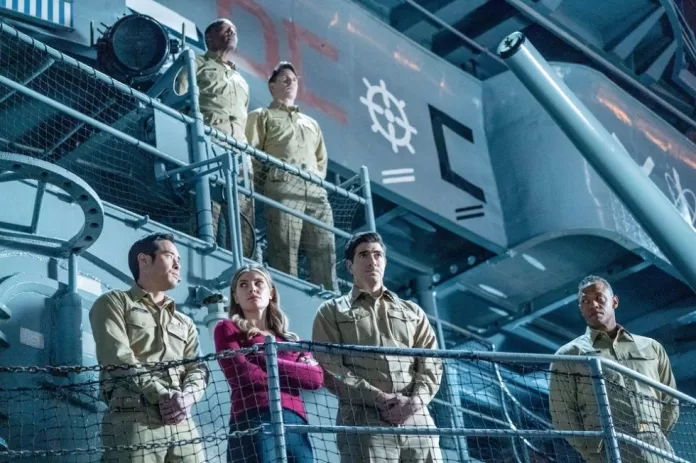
column 56, row 11
column 648, row 166
column 89, row 285
column 44, row 9
column 68, row 14
column 31, row 338
column 397, row 171
column 20, row 6
column 32, row 8
column 399, row 179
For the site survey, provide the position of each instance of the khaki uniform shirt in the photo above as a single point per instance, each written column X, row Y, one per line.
column 287, row 134
column 223, row 94
column 130, row 329
column 358, row 318
column 636, row 407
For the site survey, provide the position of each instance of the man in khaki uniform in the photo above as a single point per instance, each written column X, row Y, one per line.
column 378, row 390
column 282, row 131
column 148, row 404
column 224, row 103
column 637, row 409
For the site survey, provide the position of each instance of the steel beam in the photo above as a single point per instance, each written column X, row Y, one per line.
column 562, row 302
column 629, row 43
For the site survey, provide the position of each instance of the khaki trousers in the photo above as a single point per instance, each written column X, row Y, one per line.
column 384, row 448
column 634, row 454
column 288, row 235
column 143, row 427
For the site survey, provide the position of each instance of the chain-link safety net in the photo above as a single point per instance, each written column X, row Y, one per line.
column 287, row 242
column 118, row 171
column 36, row 120
column 523, row 402
column 110, row 413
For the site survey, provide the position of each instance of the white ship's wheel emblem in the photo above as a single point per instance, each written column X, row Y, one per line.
column 392, row 111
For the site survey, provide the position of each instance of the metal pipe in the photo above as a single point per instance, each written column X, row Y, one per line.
column 84, row 118
column 235, row 229
column 464, row 331
column 271, row 351
column 21, row 146
column 348, row 182
column 199, row 147
column 502, row 357
column 123, row 88
column 428, row 431
column 427, row 298
column 651, row 448
column 649, row 381
column 471, row 42
column 268, row 159
column 291, row 211
column 72, row 273
column 473, row 413
column 651, row 208
column 611, row 443
column 49, row 62
column 367, row 194
column 540, row 19
column 509, row 357
column 38, row 201
column 186, row 168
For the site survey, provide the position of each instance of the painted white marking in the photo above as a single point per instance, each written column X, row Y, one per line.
column 20, row 6
column 498, row 311
column 44, row 9
column 492, row 290
column 648, row 166
column 31, row 338
column 89, row 285
column 56, row 12
column 407, row 179
column 68, row 14
column 397, row 172
column 534, row 262
column 32, row 8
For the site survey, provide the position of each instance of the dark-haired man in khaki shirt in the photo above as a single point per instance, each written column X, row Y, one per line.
column 637, row 409
column 376, row 389
column 284, row 132
column 142, row 325
column 224, row 103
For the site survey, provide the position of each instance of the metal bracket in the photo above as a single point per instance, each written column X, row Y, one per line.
column 16, row 167
column 139, row 223
column 209, row 249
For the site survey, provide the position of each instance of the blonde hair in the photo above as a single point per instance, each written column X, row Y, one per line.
column 276, row 320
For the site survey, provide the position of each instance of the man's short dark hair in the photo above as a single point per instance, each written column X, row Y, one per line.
column 279, row 68
column 214, row 27
column 359, row 238
column 593, row 280
column 148, row 245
